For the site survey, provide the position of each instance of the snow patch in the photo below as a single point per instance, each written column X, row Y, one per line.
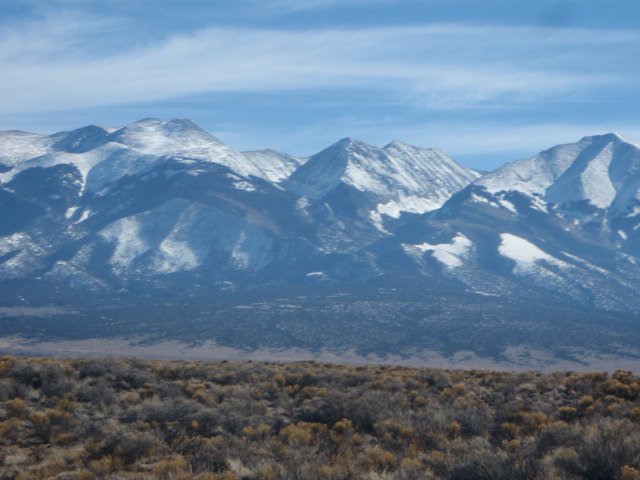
column 596, row 182
column 525, row 254
column 175, row 254
column 634, row 212
column 587, row 264
column 484, row 294
column 451, row 255
column 244, row 186
column 84, row 215
column 377, row 221
column 126, row 235
column 508, row 205
column 479, row 199
column 538, row 203
column 179, row 235
column 410, row 204
column 70, row 211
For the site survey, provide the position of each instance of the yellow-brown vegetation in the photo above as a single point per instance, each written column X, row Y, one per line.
column 130, row 419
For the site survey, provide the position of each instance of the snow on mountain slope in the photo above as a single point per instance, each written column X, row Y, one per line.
column 606, row 169
column 17, row 146
column 525, row 254
column 534, row 175
column 179, row 236
column 163, row 137
column 162, row 201
column 82, row 148
column 182, row 138
column 132, row 150
column 431, row 164
column 451, row 255
column 595, row 169
column 275, row 166
column 81, row 140
column 399, row 177
column 19, row 255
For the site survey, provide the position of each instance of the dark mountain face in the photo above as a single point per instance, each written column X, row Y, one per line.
column 382, row 239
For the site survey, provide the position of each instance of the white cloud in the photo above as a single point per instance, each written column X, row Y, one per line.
column 54, row 65
column 61, row 35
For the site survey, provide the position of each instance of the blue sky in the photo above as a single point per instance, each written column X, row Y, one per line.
column 486, row 81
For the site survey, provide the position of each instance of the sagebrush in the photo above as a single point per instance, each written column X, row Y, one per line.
column 134, row 419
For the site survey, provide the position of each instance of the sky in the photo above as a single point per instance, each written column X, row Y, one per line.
column 485, row 81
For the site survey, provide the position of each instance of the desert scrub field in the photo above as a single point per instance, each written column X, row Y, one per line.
column 134, row 419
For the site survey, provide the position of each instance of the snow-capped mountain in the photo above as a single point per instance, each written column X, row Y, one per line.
column 103, row 156
column 595, row 181
column 600, row 170
column 395, row 179
column 562, row 221
column 162, row 207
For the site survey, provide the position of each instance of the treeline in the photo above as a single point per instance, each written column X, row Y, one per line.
column 132, row 419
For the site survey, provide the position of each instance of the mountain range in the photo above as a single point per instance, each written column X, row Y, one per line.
column 161, row 231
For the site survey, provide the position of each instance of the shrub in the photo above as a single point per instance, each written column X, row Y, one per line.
column 115, row 418
column 122, row 445
column 205, row 456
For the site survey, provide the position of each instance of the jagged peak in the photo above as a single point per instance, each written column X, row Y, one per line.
column 342, row 151
column 348, row 143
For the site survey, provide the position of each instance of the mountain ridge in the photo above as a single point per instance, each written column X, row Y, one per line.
column 162, row 209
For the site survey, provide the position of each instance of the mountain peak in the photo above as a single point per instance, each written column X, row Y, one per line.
column 172, row 126
column 349, row 143
column 605, row 137
column 153, row 135
column 81, row 140
column 598, row 169
column 397, row 144
column 397, row 178
column 168, row 122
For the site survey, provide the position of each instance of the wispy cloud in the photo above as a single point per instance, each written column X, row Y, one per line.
column 54, row 38
column 53, row 65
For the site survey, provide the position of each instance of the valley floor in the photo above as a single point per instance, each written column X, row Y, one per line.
column 513, row 359
column 406, row 328
column 84, row 418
